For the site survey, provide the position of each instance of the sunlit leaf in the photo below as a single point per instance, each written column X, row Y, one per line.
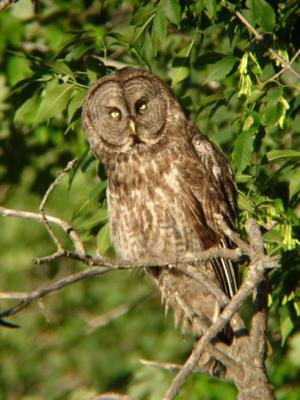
column 26, row 114
column 103, row 239
column 283, row 154
column 54, row 101
column 75, row 103
column 286, row 324
column 221, row 68
column 262, row 12
column 211, row 7
column 172, row 10
column 243, row 151
column 159, row 29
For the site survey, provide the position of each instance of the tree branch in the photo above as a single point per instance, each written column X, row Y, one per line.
column 247, row 24
column 65, row 226
column 171, row 367
column 53, row 287
column 254, row 277
column 273, row 54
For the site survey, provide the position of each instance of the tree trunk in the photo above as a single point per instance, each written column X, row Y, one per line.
column 256, row 386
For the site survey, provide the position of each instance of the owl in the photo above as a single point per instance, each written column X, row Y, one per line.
column 167, row 185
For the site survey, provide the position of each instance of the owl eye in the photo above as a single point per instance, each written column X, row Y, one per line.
column 141, row 105
column 114, row 112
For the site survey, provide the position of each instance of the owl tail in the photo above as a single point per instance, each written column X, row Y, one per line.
column 194, row 307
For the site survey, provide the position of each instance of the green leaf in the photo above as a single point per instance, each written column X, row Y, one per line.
column 294, row 183
column 262, row 12
column 283, row 154
column 242, row 151
column 180, row 66
column 245, row 203
column 60, row 67
column 221, row 68
column 55, row 100
column 199, row 6
column 286, row 324
column 97, row 218
column 142, row 15
column 273, row 236
column 103, row 240
column 159, row 29
column 147, row 48
column 27, row 112
column 211, row 8
column 75, row 103
column 272, row 113
column 17, row 69
column 172, row 10
column 180, row 69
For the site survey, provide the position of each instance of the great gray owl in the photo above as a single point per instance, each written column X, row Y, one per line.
column 167, row 183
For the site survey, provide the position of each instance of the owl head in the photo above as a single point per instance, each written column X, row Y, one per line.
column 127, row 110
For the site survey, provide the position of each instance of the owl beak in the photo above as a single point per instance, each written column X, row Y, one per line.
column 132, row 126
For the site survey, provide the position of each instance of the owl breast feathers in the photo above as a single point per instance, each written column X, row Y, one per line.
column 167, row 185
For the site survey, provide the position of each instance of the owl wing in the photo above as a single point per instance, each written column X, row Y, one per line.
column 214, row 194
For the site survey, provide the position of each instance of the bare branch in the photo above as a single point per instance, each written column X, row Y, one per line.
column 286, row 66
column 13, row 295
column 247, row 24
column 254, row 276
column 273, row 53
column 53, row 287
column 214, row 252
column 98, row 266
column 260, row 301
column 234, row 236
column 69, row 166
column 171, row 367
column 77, row 243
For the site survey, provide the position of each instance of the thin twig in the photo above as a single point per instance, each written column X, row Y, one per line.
column 171, row 367
column 287, row 66
column 247, row 24
column 99, row 266
column 233, row 236
column 273, row 53
column 13, row 295
column 54, row 286
column 77, row 243
column 205, row 255
column 69, row 166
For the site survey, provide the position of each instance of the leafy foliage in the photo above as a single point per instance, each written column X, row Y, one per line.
column 229, row 85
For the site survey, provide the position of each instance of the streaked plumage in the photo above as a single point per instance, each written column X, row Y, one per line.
column 166, row 185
